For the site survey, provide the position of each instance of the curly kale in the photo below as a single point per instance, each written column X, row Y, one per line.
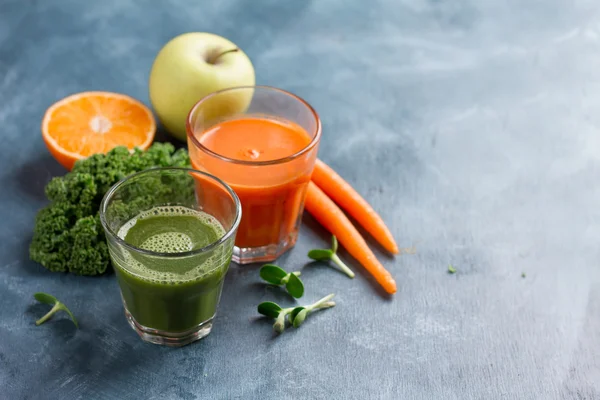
column 68, row 236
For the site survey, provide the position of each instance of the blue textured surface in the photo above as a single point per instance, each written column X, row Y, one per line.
column 473, row 126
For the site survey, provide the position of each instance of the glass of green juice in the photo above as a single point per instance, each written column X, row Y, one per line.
column 170, row 234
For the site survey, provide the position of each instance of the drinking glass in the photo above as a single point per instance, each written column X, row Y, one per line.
column 170, row 296
column 271, row 191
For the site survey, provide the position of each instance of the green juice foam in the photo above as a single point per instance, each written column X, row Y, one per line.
column 172, row 229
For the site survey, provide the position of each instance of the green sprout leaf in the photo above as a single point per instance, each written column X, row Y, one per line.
column 276, row 275
column 331, row 254
column 45, row 298
column 273, row 310
column 56, row 307
column 294, row 286
column 298, row 318
column 451, row 269
column 320, row 254
column 269, row 309
column 295, row 312
column 272, row 274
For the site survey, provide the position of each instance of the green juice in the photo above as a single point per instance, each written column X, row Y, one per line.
column 167, row 292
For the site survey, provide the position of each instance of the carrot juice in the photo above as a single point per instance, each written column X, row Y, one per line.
column 268, row 161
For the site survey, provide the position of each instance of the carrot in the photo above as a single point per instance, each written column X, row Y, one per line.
column 335, row 221
column 342, row 193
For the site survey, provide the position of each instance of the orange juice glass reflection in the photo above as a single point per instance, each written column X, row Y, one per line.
column 262, row 142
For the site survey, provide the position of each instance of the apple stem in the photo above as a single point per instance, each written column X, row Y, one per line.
column 214, row 59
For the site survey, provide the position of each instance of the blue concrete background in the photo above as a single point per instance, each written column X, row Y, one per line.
column 472, row 126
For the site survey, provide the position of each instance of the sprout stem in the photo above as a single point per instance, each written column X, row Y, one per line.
column 323, row 303
column 295, row 318
column 342, row 265
column 279, row 324
column 50, row 313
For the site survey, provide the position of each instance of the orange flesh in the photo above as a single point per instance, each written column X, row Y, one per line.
column 272, row 197
column 95, row 122
column 100, row 123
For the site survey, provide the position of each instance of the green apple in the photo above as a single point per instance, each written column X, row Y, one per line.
column 191, row 66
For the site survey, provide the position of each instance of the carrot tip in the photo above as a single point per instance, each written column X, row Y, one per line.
column 389, row 284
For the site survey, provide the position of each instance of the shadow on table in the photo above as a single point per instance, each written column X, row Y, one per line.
column 275, row 293
column 59, row 326
column 289, row 330
column 267, row 323
column 27, row 265
column 33, row 176
column 23, row 263
column 104, row 349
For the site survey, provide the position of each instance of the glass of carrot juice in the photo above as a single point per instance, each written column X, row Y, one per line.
column 263, row 142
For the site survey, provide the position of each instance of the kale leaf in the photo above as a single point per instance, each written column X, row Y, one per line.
column 68, row 236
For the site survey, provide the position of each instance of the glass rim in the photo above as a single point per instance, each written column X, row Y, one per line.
column 313, row 142
column 210, row 246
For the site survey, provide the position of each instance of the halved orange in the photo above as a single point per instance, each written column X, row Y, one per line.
column 96, row 122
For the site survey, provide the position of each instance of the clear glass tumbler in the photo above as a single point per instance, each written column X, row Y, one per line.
column 263, row 142
column 170, row 234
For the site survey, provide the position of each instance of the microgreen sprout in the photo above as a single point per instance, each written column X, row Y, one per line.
column 279, row 277
column 331, row 254
column 56, row 307
column 451, row 269
column 295, row 315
